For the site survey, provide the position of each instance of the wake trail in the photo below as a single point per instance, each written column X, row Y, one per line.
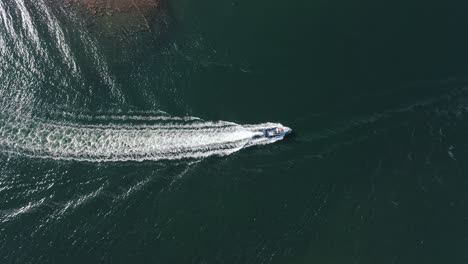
column 168, row 140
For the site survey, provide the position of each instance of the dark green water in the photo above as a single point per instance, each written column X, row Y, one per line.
column 376, row 171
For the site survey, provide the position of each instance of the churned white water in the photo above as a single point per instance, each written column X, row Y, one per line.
column 168, row 141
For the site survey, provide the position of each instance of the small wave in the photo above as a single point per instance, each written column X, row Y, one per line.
column 7, row 215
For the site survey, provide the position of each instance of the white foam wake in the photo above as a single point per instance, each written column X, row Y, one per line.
column 175, row 139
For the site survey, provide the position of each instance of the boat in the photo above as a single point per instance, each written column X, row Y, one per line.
column 279, row 131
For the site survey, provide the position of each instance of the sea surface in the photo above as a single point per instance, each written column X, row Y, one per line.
column 138, row 148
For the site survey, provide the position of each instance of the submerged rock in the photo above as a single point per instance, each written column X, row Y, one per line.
column 110, row 6
column 125, row 29
column 125, row 16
